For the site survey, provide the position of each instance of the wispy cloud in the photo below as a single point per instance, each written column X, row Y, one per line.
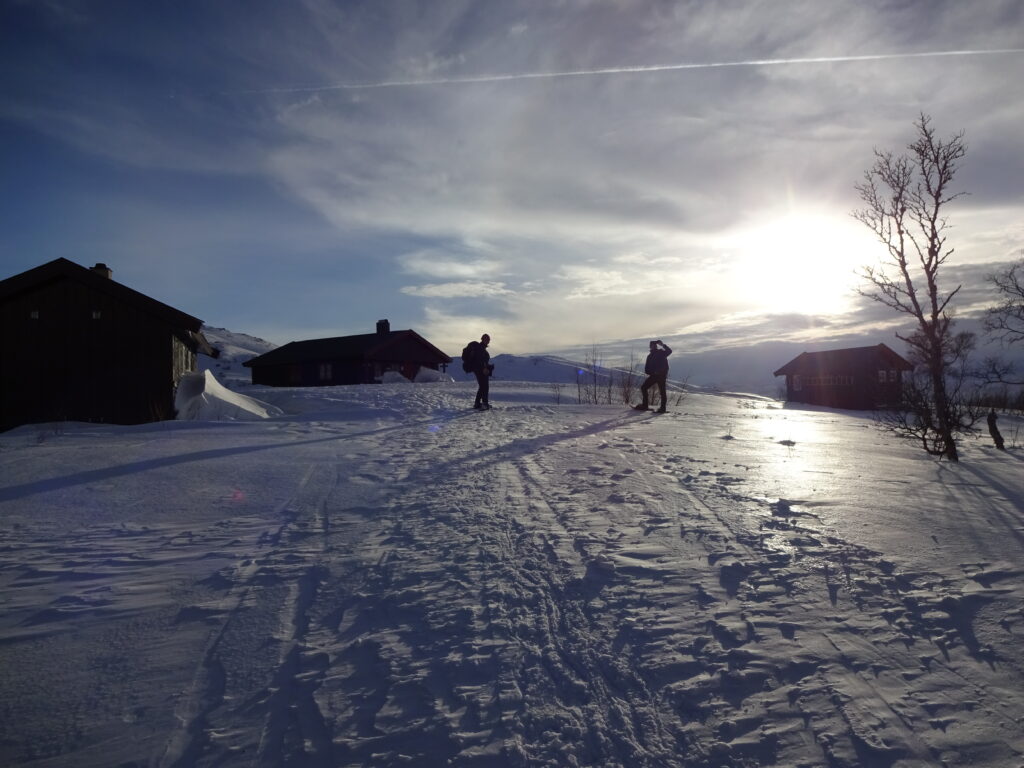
column 625, row 70
column 461, row 290
column 435, row 262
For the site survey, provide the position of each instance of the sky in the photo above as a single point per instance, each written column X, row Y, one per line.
column 555, row 173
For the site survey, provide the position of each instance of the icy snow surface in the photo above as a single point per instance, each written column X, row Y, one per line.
column 384, row 577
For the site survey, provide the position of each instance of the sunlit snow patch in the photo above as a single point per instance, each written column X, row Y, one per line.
column 430, row 376
column 201, row 397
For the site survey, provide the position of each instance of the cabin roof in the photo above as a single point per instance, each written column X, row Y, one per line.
column 359, row 347
column 837, row 360
column 63, row 269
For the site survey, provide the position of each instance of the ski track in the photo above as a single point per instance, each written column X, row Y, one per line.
column 522, row 593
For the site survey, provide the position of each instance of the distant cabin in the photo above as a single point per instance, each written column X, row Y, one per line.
column 360, row 359
column 76, row 345
column 860, row 378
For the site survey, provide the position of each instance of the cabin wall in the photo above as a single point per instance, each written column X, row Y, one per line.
column 404, row 358
column 849, row 389
column 319, row 373
column 73, row 353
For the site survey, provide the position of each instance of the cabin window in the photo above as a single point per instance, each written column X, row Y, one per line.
column 34, row 314
column 97, row 314
column 326, row 372
column 892, row 375
column 882, row 376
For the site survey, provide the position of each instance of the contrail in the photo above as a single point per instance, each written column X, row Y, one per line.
column 642, row 69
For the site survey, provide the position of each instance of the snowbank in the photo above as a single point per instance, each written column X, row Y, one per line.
column 423, row 376
column 430, row 376
column 201, row 397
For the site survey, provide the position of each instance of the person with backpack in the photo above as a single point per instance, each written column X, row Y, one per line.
column 656, row 369
column 477, row 360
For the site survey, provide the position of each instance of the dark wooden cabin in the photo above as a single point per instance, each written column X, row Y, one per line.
column 360, row 359
column 77, row 346
column 860, row 378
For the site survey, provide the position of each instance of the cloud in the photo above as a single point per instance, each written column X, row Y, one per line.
column 430, row 66
column 576, row 172
column 466, row 289
column 436, row 262
column 640, row 258
column 587, row 282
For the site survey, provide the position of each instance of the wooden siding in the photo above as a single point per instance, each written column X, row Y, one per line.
column 853, row 391
column 861, row 378
column 74, row 353
column 326, row 373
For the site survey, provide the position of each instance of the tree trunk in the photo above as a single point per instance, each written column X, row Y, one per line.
column 942, row 410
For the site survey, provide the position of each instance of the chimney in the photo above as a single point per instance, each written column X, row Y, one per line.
column 383, row 327
column 103, row 270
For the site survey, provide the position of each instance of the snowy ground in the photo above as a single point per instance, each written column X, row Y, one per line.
column 383, row 577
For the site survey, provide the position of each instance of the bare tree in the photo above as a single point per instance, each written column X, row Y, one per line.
column 588, row 378
column 629, row 379
column 906, row 197
column 1005, row 321
column 918, row 418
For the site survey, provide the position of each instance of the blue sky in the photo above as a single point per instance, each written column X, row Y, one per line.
column 555, row 173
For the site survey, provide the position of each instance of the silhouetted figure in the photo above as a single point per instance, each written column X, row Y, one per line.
column 656, row 369
column 993, row 430
column 480, row 365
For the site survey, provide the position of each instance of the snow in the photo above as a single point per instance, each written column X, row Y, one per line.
column 380, row 575
column 430, row 376
column 200, row 397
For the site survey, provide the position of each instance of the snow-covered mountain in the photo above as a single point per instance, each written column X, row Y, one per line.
column 235, row 349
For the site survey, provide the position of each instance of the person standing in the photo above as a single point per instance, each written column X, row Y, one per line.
column 993, row 430
column 482, row 369
column 656, row 369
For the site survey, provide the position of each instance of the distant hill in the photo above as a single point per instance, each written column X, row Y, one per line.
column 235, row 349
column 749, row 367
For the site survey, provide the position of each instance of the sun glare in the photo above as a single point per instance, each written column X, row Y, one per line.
column 803, row 263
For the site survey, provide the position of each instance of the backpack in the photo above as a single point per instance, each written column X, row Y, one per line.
column 469, row 356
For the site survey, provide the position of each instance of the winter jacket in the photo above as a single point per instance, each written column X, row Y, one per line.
column 657, row 361
column 481, row 358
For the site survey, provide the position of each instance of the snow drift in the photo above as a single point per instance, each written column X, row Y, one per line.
column 200, row 397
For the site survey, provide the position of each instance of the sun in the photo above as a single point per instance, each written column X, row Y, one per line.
column 803, row 263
